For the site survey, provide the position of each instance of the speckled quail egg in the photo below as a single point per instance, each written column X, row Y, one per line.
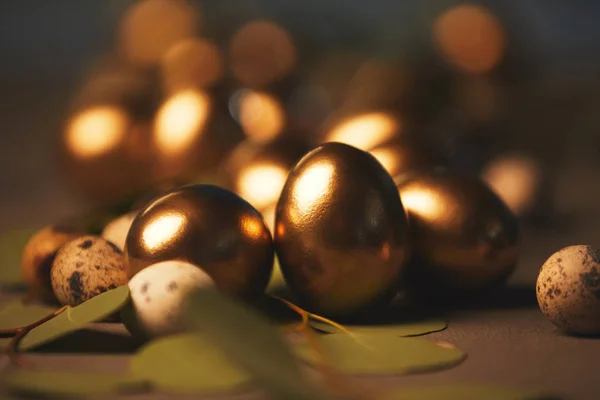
column 568, row 289
column 86, row 267
column 38, row 255
column 116, row 230
column 158, row 295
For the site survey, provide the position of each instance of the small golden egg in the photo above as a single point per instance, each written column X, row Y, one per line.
column 207, row 226
column 340, row 231
column 38, row 256
column 464, row 237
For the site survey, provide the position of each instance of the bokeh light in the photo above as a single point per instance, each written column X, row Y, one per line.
column 389, row 157
column 150, row 27
column 365, row 131
column 180, row 120
column 516, row 179
column 470, row 37
column 260, row 115
column 261, row 184
column 96, row 131
column 191, row 63
column 261, row 52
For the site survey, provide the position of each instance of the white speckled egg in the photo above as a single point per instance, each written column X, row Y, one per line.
column 568, row 289
column 84, row 268
column 116, row 230
column 158, row 294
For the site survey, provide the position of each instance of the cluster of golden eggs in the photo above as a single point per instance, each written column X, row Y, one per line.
column 346, row 235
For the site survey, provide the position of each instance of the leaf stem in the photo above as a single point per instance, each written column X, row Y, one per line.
column 13, row 347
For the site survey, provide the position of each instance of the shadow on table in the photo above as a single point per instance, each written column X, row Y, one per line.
column 92, row 341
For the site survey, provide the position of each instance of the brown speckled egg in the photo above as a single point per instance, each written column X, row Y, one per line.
column 38, row 256
column 568, row 289
column 86, row 267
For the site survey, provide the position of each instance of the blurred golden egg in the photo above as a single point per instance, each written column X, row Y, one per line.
column 191, row 63
column 365, row 131
column 261, row 52
column 470, row 37
column 150, row 27
column 209, row 227
column 341, row 231
column 261, row 115
column 258, row 172
column 464, row 237
column 516, row 179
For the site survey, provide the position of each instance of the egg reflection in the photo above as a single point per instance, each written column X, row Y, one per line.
column 160, row 231
column 470, row 37
column 191, row 63
column 261, row 184
column 151, row 27
column 96, row 131
column 365, row 131
column 180, row 120
column 516, row 179
column 260, row 115
column 311, row 190
column 261, row 52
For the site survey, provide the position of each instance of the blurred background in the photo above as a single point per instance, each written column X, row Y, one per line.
column 102, row 100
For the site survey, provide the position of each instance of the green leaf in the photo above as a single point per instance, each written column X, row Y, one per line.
column 70, row 384
column 12, row 244
column 381, row 353
column 187, row 363
column 252, row 342
column 16, row 314
column 404, row 329
column 72, row 319
column 467, row 392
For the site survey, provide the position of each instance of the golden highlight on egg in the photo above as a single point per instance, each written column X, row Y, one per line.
column 470, row 37
column 180, row 120
column 150, row 27
column 207, row 226
column 341, row 231
column 96, row 131
column 261, row 116
column 261, row 184
column 261, row 52
column 365, row 131
column 191, row 63
column 464, row 238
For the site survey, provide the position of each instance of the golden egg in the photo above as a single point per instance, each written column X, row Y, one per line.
column 340, row 231
column 207, row 226
column 464, row 237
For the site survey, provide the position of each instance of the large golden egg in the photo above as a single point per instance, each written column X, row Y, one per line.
column 464, row 237
column 340, row 230
column 207, row 226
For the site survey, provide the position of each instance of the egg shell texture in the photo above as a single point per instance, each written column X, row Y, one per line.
column 86, row 267
column 158, row 295
column 568, row 289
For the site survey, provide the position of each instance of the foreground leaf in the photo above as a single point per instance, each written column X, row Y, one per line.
column 378, row 353
column 69, row 384
column 72, row 319
column 252, row 342
column 467, row 392
column 16, row 314
column 405, row 329
column 12, row 244
column 187, row 363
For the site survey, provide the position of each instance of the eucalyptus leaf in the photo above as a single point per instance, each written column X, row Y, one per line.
column 381, row 353
column 187, row 363
column 74, row 318
column 252, row 342
column 17, row 314
column 467, row 392
column 70, row 384
column 403, row 329
column 12, row 244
